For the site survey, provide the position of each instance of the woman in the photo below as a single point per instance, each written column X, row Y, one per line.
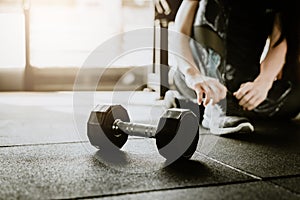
column 225, row 61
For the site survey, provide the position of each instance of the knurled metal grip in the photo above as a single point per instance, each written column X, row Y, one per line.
column 135, row 129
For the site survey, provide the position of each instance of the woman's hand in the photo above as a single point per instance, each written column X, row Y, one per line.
column 209, row 87
column 251, row 94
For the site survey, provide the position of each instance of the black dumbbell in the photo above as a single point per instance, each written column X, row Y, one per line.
column 176, row 135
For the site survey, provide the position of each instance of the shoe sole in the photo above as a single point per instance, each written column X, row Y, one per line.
column 241, row 128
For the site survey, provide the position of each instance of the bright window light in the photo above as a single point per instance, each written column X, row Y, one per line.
column 64, row 32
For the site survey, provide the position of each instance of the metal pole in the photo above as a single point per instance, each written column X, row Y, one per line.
column 154, row 48
column 164, row 64
column 28, row 82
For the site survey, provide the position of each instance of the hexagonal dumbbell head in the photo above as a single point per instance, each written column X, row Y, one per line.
column 99, row 127
column 177, row 134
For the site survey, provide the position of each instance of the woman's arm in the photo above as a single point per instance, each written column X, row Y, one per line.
column 183, row 24
column 251, row 94
column 275, row 59
column 201, row 84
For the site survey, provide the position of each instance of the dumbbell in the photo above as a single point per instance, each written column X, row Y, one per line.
column 176, row 134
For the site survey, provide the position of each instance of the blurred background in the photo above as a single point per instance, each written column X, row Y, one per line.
column 60, row 36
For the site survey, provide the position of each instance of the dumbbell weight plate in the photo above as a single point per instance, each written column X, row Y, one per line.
column 99, row 127
column 178, row 134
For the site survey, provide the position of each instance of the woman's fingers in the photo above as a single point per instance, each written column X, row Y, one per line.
column 207, row 89
column 252, row 103
column 203, row 89
column 208, row 94
column 212, row 90
column 249, row 96
column 199, row 93
column 246, row 98
column 243, row 90
column 255, row 102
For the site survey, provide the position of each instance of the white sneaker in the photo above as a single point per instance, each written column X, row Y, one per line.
column 218, row 123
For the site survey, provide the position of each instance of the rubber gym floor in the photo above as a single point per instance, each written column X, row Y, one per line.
column 45, row 154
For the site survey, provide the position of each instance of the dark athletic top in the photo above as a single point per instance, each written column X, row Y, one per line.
column 248, row 28
column 244, row 27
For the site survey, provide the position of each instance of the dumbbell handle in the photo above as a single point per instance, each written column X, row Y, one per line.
column 135, row 129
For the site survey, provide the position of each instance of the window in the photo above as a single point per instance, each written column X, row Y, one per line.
column 64, row 32
column 12, row 35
